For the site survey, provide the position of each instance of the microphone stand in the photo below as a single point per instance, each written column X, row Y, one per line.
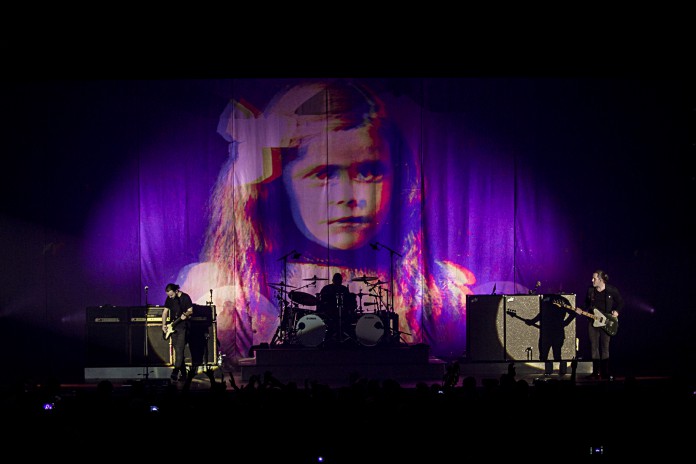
column 146, row 375
column 284, row 258
column 390, row 307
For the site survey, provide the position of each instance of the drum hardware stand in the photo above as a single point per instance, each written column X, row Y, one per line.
column 292, row 311
column 392, row 323
column 390, row 294
column 390, row 305
column 397, row 334
column 385, row 314
column 380, row 301
column 290, row 329
column 339, row 303
column 281, row 331
column 360, row 295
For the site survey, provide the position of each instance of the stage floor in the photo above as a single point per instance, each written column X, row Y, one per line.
column 300, row 369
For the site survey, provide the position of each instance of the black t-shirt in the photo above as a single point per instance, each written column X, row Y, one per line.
column 329, row 297
column 607, row 301
column 178, row 305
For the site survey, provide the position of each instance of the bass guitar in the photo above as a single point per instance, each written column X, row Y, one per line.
column 607, row 322
column 513, row 313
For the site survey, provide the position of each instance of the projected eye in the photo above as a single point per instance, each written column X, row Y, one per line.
column 370, row 171
column 325, row 172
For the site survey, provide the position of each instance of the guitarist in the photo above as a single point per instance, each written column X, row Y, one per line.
column 552, row 334
column 179, row 308
column 607, row 299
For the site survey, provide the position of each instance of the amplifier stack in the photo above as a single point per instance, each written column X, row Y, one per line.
column 121, row 336
column 511, row 327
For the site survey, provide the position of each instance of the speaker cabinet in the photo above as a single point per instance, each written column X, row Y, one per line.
column 203, row 346
column 157, row 352
column 485, row 330
column 107, row 336
column 521, row 338
column 518, row 327
column 148, row 349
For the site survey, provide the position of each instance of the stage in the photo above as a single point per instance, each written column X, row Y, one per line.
column 342, row 365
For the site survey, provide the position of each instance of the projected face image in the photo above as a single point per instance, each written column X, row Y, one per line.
column 341, row 201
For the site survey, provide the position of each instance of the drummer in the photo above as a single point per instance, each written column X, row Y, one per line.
column 331, row 297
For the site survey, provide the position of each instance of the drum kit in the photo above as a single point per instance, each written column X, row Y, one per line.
column 308, row 321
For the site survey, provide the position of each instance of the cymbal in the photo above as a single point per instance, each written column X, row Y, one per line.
column 280, row 284
column 315, row 278
column 363, row 279
column 379, row 282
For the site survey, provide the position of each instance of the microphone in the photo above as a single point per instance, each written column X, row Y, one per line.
column 374, row 246
column 296, row 255
column 494, row 285
column 293, row 253
column 146, row 288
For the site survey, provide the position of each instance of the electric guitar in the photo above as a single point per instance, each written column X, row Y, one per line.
column 607, row 322
column 171, row 327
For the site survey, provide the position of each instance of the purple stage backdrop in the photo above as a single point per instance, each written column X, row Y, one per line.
column 253, row 193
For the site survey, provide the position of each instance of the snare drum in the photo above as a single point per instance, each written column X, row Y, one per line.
column 311, row 330
column 369, row 329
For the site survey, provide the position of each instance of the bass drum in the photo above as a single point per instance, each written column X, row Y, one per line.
column 369, row 330
column 311, row 330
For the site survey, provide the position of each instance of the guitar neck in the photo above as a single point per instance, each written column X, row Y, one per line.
column 607, row 322
column 577, row 310
column 585, row 313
